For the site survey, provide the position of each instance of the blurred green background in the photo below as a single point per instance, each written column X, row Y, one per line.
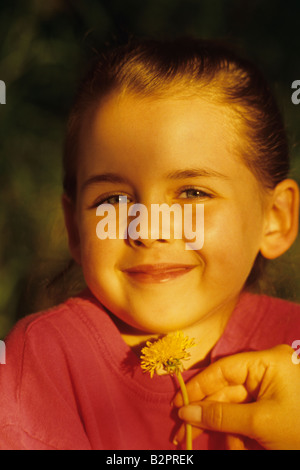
column 44, row 46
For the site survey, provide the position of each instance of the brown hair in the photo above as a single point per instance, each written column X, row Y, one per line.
column 192, row 67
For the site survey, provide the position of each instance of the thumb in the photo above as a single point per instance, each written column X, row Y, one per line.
column 223, row 417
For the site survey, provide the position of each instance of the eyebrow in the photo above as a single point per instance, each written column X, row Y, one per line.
column 104, row 178
column 195, row 173
column 176, row 174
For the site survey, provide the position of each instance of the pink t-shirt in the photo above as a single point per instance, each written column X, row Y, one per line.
column 71, row 382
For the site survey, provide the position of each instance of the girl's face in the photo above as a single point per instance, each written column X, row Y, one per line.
column 170, row 151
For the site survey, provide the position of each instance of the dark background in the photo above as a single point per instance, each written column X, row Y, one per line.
column 44, row 47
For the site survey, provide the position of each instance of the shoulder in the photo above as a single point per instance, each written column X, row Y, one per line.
column 282, row 310
column 259, row 322
column 265, row 306
column 46, row 344
column 39, row 324
column 54, row 331
column 274, row 320
column 65, row 313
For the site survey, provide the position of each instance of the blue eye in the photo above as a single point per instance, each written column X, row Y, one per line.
column 113, row 199
column 116, row 199
column 193, row 193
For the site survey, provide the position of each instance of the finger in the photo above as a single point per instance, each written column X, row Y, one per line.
column 221, row 417
column 235, row 394
column 234, row 442
column 231, row 394
column 207, row 382
column 180, row 435
column 241, row 369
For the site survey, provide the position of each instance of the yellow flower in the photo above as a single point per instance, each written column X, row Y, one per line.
column 166, row 353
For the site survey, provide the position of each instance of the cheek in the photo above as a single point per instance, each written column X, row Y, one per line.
column 96, row 255
column 100, row 254
column 99, row 261
column 231, row 241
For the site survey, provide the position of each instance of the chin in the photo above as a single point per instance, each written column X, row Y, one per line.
column 162, row 326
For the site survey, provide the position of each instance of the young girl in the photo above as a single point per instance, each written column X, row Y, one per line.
column 183, row 122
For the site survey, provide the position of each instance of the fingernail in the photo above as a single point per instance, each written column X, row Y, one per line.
column 190, row 413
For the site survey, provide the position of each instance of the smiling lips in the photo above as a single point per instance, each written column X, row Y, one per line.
column 156, row 273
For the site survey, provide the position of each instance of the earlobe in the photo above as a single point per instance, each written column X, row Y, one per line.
column 281, row 220
column 72, row 228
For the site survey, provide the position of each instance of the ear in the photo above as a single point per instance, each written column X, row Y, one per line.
column 281, row 220
column 69, row 210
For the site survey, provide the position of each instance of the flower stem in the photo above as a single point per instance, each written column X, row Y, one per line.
column 188, row 427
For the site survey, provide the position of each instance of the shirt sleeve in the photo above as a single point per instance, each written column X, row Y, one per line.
column 38, row 409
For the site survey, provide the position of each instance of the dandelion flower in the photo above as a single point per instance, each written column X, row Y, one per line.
column 167, row 354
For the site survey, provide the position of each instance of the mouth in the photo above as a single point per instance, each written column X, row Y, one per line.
column 158, row 273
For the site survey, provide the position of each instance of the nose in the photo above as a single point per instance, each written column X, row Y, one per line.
column 143, row 230
column 145, row 242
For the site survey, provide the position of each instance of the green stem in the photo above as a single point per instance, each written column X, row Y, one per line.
column 188, row 427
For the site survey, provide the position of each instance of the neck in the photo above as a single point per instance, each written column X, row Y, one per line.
column 206, row 333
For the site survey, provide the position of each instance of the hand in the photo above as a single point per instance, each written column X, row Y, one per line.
column 253, row 394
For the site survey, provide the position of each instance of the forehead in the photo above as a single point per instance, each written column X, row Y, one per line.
column 148, row 134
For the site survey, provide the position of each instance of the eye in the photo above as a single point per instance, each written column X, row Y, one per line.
column 194, row 193
column 112, row 199
column 115, row 199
